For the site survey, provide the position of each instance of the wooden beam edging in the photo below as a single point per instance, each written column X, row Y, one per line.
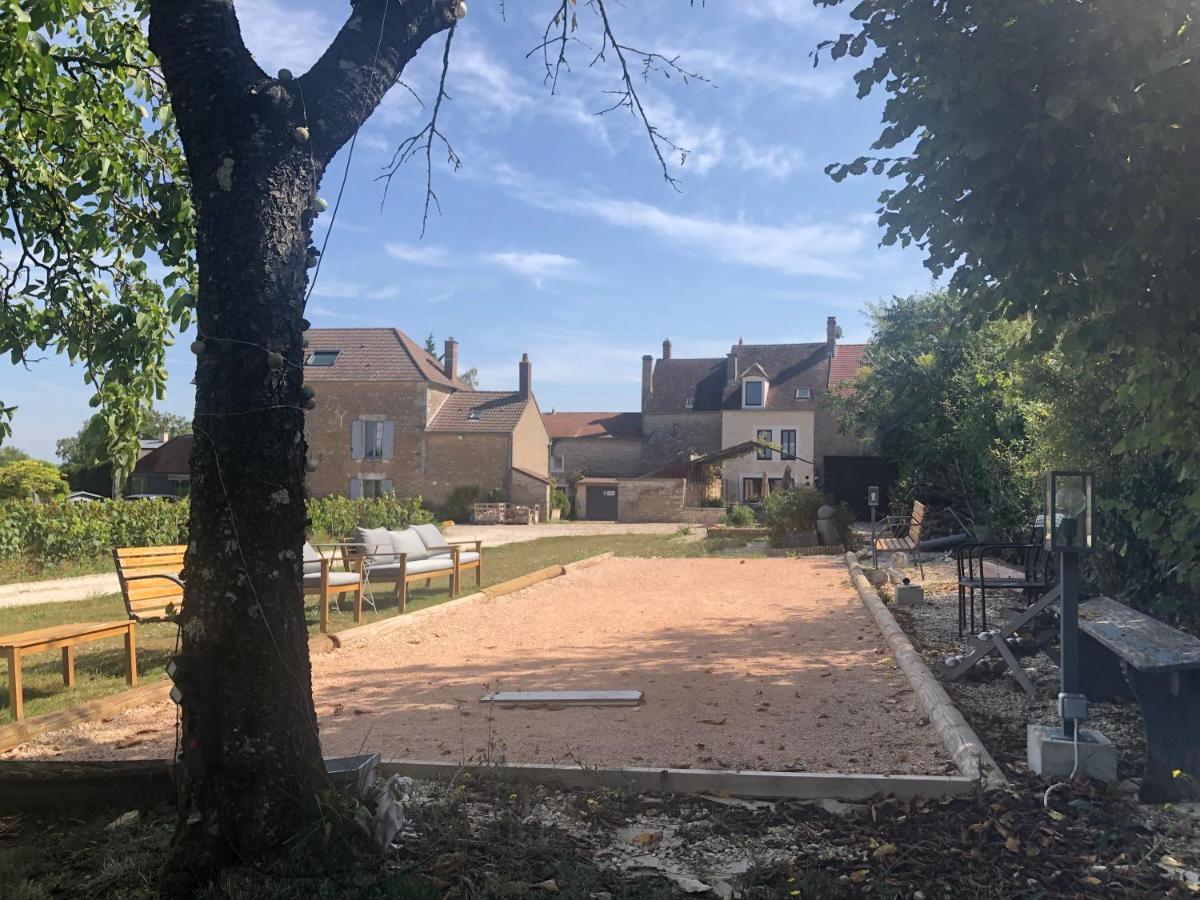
column 58, row 784
column 959, row 739
column 733, row 782
column 102, row 707
column 339, row 639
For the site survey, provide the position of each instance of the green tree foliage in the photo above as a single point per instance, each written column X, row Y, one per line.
column 11, row 455
column 1046, row 157
column 93, row 200
column 938, row 399
column 31, row 479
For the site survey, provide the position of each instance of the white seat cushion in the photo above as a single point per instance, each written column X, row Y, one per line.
column 432, row 538
column 312, row 559
column 433, row 564
column 409, row 543
column 336, row 579
column 467, row 556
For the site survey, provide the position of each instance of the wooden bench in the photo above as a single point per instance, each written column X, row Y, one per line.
column 150, row 581
column 15, row 647
column 907, row 542
column 1124, row 653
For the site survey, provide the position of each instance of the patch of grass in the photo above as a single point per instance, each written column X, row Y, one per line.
column 100, row 666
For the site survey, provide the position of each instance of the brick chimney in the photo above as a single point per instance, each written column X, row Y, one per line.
column 647, row 379
column 666, row 350
column 526, row 376
column 731, row 367
column 450, row 359
column 832, row 332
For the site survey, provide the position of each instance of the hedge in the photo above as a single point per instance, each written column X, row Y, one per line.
column 56, row 531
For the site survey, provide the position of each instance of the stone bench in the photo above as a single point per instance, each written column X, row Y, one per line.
column 1124, row 653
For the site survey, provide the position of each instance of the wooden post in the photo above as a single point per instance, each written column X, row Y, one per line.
column 324, row 601
column 402, row 587
column 15, row 688
column 131, row 672
column 68, row 666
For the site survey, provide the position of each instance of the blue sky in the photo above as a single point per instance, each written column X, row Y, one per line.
column 558, row 236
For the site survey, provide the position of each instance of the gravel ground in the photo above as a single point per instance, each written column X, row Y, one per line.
column 496, row 535
column 58, row 590
column 769, row 664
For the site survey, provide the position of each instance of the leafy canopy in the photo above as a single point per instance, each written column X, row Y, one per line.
column 1045, row 154
column 96, row 225
column 29, row 478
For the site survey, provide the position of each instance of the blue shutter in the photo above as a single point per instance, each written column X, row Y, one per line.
column 356, row 486
column 389, row 439
column 358, row 438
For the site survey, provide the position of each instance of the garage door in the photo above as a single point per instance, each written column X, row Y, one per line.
column 848, row 477
column 602, row 502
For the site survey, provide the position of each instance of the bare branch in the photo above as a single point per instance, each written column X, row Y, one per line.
column 423, row 142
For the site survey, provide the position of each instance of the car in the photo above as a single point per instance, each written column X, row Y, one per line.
column 172, row 498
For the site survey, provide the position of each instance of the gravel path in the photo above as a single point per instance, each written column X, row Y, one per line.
column 769, row 664
column 58, row 590
column 66, row 590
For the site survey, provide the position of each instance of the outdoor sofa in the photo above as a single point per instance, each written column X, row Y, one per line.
column 418, row 553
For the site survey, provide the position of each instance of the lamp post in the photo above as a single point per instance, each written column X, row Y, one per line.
column 873, row 502
column 1069, row 531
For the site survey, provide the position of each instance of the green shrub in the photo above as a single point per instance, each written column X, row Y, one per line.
column 57, row 531
column 739, row 517
column 459, row 504
column 27, row 479
column 790, row 511
column 560, row 501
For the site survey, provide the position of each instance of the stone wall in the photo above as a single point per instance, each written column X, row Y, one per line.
column 668, row 436
column 650, row 499
column 830, row 441
column 600, row 456
column 525, row 490
column 453, row 460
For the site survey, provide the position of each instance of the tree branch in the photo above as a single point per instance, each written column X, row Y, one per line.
column 363, row 62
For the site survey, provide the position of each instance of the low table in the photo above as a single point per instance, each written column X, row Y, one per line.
column 15, row 647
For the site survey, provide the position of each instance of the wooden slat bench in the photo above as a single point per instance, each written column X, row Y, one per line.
column 150, row 582
column 906, row 542
column 15, row 647
column 1126, row 653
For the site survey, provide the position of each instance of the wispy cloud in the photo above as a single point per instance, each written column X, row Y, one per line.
column 797, row 77
column 799, row 248
column 795, row 13
column 335, row 288
column 418, row 255
column 536, row 266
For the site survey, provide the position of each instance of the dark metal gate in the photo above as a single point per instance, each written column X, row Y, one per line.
column 848, row 477
column 602, row 502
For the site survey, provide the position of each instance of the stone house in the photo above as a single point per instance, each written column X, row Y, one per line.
column 391, row 416
column 593, row 444
column 164, row 469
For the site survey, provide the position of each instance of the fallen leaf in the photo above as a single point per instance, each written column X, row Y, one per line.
column 549, row 885
column 1092, row 880
column 1013, row 844
column 1056, row 815
column 859, row 876
column 713, row 721
column 1171, row 861
column 646, row 838
column 884, row 851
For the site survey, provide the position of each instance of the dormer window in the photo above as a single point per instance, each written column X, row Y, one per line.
column 804, row 393
column 473, row 415
column 754, row 394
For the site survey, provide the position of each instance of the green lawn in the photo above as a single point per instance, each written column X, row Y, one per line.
column 15, row 571
column 99, row 666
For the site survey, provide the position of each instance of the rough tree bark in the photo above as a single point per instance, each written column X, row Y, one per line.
column 254, row 171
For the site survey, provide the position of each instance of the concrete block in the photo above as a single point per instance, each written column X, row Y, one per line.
column 1052, row 755
column 909, row 594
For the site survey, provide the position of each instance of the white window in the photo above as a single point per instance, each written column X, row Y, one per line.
column 804, row 393
column 558, row 462
column 754, row 394
column 689, row 403
column 372, row 439
column 321, row 358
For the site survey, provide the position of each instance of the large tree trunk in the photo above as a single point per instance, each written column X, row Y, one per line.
column 256, row 149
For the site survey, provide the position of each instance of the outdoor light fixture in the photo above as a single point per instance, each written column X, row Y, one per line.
column 1069, row 529
column 1069, row 504
column 873, row 495
column 873, row 502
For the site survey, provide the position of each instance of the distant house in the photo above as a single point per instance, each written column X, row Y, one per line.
column 593, row 443
column 165, row 469
column 390, row 416
column 768, row 397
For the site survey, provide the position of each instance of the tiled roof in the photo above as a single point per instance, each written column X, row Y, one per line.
column 375, row 354
column 479, row 411
column 593, row 424
column 172, row 458
column 787, row 367
column 845, row 365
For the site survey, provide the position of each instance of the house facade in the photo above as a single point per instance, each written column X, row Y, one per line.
column 593, row 444
column 392, row 417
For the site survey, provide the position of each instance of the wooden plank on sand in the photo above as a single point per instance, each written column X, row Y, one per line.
column 563, row 698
